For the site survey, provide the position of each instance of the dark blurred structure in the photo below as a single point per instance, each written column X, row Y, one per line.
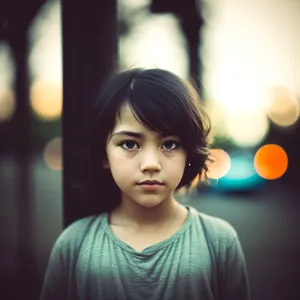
column 89, row 56
column 15, row 18
column 191, row 20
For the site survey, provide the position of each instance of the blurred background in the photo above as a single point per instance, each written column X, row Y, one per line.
column 244, row 57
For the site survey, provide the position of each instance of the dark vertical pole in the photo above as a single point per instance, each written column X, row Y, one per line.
column 89, row 55
column 192, row 32
column 21, row 123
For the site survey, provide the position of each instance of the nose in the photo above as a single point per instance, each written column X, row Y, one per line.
column 150, row 162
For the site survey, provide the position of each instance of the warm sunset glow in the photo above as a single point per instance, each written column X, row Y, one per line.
column 221, row 164
column 46, row 99
column 254, row 57
column 53, row 154
column 271, row 161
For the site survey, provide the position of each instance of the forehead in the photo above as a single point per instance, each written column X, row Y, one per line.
column 127, row 120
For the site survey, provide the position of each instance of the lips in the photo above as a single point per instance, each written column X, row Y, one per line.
column 150, row 182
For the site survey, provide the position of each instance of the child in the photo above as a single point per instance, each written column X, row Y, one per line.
column 148, row 139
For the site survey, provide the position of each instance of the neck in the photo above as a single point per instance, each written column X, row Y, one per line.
column 131, row 214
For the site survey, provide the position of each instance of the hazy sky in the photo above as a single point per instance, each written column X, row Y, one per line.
column 251, row 46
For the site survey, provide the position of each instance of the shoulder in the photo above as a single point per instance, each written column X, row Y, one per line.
column 218, row 230
column 218, row 226
column 71, row 238
column 227, row 255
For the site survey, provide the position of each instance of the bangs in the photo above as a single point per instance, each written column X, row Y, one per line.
column 163, row 107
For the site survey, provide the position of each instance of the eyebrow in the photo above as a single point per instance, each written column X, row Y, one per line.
column 138, row 134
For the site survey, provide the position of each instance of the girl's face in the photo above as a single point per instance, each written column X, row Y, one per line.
column 135, row 154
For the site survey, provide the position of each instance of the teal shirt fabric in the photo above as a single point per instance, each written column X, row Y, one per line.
column 89, row 262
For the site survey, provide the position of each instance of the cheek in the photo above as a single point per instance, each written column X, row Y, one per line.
column 118, row 159
column 119, row 164
column 179, row 161
column 175, row 168
column 113, row 154
column 120, row 172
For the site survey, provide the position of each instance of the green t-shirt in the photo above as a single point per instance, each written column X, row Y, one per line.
column 89, row 262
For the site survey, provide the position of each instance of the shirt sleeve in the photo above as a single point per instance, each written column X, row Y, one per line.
column 59, row 280
column 56, row 276
column 234, row 278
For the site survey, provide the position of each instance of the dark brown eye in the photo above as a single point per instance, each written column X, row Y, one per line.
column 171, row 145
column 128, row 145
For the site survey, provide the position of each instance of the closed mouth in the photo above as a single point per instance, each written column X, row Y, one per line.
column 150, row 183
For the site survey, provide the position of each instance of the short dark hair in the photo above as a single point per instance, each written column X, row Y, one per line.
column 161, row 101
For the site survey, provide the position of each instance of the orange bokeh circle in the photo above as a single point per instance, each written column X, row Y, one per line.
column 221, row 164
column 271, row 161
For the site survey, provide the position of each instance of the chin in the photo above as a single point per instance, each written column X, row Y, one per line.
column 147, row 200
column 150, row 203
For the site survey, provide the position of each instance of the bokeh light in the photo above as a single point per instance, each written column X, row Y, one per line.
column 242, row 175
column 7, row 105
column 46, row 100
column 282, row 106
column 241, row 166
column 45, row 39
column 7, row 78
column 217, row 115
column 248, row 128
column 271, row 161
column 53, row 154
column 221, row 164
column 239, row 75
